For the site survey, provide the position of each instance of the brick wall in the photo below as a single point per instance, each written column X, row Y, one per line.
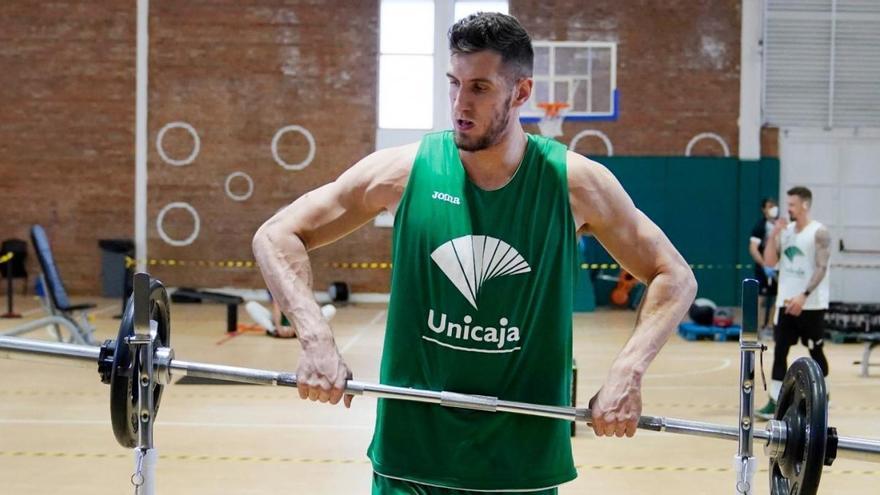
column 677, row 72
column 67, row 128
column 239, row 71
column 237, row 74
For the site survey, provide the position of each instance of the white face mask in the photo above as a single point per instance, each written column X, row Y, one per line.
column 774, row 211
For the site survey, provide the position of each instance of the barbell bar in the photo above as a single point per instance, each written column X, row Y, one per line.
column 861, row 449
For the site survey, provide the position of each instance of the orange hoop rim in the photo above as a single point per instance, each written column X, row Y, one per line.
column 552, row 108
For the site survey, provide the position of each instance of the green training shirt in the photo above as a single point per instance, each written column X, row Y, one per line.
column 481, row 303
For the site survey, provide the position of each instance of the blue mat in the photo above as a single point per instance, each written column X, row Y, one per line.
column 692, row 331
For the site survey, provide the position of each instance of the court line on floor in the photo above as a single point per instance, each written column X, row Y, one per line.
column 181, row 457
column 720, row 386
column 171, row 392
column 362, row 330
column 725, row 363
column 106, row 308
column 309, row 460
column 31, row 311
column 186, row 424
column 34, row 311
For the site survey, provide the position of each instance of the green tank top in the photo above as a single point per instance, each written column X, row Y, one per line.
column 481, row 303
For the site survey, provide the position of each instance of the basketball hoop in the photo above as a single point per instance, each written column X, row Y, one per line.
column 554, row 114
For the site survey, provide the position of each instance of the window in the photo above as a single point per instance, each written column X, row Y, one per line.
column 406, row 60
column 821, row 63
column 413, row 58
column 412, row 64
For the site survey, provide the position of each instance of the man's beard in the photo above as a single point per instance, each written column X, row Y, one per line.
column 492, row 135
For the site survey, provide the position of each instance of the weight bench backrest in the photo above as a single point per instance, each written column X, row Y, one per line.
column 54, row 285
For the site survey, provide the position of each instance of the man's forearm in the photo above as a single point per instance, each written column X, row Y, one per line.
column 771, row 251
column 285, row 265
column 666, row 301
column 816, row 279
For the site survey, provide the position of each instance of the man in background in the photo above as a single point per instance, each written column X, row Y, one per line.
column 800, row 250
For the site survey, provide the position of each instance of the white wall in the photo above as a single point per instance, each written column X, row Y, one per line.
column 842, row 168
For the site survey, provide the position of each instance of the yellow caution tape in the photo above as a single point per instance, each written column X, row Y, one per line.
column 385, row 265
column 131, row 263
column 694, row 266
column 360, row 265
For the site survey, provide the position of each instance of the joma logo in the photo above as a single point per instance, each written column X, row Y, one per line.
column 446, row 197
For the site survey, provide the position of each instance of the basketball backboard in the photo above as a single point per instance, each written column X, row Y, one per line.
column 582, row 74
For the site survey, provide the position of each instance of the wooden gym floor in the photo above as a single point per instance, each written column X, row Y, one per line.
column 55, row 432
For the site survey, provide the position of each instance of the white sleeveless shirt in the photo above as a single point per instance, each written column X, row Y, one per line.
column 797, row 263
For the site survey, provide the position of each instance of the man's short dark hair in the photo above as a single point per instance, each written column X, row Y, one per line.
column 500, row 33
column 801, row 192
column 767, row 200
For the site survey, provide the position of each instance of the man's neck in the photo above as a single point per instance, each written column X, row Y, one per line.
column 801, row 223
column 493, row 167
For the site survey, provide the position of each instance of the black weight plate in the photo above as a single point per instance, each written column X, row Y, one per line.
column 124, row 388
column 803, row 407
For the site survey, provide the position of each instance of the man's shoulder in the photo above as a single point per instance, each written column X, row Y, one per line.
column 381, row 176
column 392, row 164
column 823, row 235
column 401, row 156
column 581, row 168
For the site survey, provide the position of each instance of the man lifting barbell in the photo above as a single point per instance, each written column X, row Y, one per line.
column 484, row 262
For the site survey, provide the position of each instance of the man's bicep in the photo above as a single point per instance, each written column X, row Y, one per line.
column 638, row 244
column 635, row 241
column 823, row 246
column 334, row 210
column 320, row 217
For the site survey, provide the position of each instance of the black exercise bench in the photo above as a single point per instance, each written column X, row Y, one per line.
column 231, row 301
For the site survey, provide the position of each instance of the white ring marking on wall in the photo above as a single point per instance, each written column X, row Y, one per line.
column 197, row 144
column 592, row 132
column 161, row 218
column 239, row 197
column 309, row 157
column 707, row 135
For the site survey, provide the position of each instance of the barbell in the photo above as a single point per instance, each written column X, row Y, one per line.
column 140, row 362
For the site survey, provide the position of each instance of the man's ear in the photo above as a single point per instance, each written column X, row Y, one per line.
column 522, row 91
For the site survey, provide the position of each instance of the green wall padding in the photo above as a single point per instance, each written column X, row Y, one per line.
column 706, row 206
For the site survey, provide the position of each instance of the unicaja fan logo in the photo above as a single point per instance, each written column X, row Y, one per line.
column 471, row 260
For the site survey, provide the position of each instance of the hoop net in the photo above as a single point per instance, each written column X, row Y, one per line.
column 554, row 114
